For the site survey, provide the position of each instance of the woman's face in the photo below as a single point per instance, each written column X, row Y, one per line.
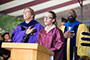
column 48, row 19
column 6, row 37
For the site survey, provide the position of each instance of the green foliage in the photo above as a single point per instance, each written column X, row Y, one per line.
column 8, row 24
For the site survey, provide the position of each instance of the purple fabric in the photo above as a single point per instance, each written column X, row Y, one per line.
column 18, row 34
column 53, row 40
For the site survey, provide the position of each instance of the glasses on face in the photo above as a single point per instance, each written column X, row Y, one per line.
column 47, row 17
column 26, row 11
column 71, row 13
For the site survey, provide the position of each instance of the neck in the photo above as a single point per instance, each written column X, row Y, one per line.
column 28, row 20
column 72, row 21
column 49, row 26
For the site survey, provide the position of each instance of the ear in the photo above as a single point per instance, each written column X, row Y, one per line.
column 53, row 20
column 32, row 16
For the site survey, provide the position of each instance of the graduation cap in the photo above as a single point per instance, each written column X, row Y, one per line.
column 64, row 20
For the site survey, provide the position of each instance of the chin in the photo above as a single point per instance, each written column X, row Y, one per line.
column 45, row 23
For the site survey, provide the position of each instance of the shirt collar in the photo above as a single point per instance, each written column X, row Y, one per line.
column 53, row 26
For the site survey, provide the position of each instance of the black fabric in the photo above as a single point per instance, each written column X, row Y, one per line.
column 4, row 51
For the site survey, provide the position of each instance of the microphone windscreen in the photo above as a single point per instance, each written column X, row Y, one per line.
column 86, row 33
column 32, row 26
column 30, row 34
column 34, row 31
column 85, row 39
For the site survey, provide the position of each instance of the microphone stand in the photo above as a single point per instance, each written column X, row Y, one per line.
column 27, row 36
column 81, row 5
column 25, row 40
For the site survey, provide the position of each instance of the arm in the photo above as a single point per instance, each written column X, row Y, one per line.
column 82, row 50
column 59, row 41
column 39, row 39
column 17, row 34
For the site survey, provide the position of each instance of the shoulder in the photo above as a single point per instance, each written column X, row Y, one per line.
column 57, row 29
column 42, row 31
column 18, row 26
column 38, row 25
column 59, row 32
column 22, row 23
column 82, row 27
column 61, row 27
column 82, row 24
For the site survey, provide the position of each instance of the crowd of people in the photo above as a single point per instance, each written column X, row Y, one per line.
column 65, row 41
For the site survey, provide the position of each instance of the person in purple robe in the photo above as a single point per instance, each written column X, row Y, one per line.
column 51, row 36
column 24, row 31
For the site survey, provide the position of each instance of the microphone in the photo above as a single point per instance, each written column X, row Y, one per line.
column 30, row 34
column 32, row 26
column 27, row 36
column 86, row 33
column 34, row 31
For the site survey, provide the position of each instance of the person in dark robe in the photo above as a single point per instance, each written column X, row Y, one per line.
column 51, row 36
column 23, row 31
column 73, row 30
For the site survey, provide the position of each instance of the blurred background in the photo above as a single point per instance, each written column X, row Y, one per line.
column 11, row 11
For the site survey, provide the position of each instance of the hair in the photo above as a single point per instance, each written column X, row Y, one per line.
column 31, row 11
column 64, row 20
column 75, row 14
column 4, row 35
column 54, row 17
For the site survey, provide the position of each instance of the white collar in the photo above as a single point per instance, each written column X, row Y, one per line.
column 53, row 26
column 26, row 22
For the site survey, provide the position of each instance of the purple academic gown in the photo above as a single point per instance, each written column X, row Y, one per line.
column 19, row 33
column 53, row 40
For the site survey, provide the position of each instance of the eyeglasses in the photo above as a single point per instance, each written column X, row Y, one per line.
column 72, row 13
column 26, row 12
column 48, row 17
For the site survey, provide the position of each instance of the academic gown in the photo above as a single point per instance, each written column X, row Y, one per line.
column 76, row 41
column 52, row 40
column 18, row 35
